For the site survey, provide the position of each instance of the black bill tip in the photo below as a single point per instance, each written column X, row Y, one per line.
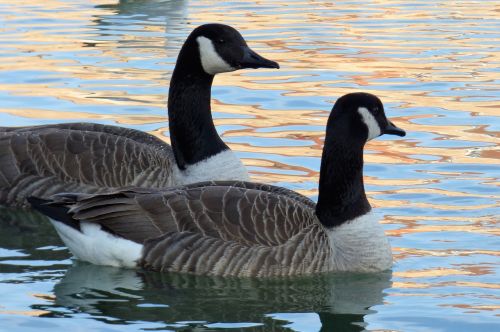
column 253, row 60
column 392, row 129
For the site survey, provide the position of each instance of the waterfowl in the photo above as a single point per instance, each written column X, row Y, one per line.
column 241, row 228
column 92, row 158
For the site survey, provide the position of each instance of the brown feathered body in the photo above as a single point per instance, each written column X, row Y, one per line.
column 223, row 228
column 79, row 157
column 212, row 228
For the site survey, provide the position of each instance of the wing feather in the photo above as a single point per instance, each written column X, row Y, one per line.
column 211, row 229
column 190, row 252
column 81, row 157
column 247, row 216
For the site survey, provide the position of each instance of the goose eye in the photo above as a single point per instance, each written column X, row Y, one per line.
column 221, row 41
column 376, row 111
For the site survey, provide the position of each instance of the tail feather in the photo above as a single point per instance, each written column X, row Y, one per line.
column 54, row 211
column 88, row 241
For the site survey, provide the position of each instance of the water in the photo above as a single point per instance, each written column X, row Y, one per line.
column 434, row 65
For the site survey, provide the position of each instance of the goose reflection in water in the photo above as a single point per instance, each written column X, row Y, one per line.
column 151, row 9
column 152, row 15
column 334, row 301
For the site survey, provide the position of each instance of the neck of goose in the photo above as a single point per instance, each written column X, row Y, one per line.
column 341, row 189
column 192, row 132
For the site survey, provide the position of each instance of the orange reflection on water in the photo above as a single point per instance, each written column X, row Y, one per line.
column 426, row 273
column 475, row 307
column 466, row 284
column 401, row 253
column 84, row 116
column 32, row 313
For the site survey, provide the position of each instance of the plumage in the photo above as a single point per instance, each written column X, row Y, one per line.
column 93, row 158
column 250, row 229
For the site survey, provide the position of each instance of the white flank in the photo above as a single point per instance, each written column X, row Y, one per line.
column 222, row 166
column 96, row 246
column 370, row 122
column 360, row 245
column 211, row 61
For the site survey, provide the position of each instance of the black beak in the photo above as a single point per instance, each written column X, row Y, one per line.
column 253, row 60
column 391, row 129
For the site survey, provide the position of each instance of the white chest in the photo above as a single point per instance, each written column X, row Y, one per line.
column 360, row 245
column 222, row 166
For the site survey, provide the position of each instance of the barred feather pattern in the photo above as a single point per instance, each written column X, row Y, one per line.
column 79, row 157
column 213, row 228
column 307, row 252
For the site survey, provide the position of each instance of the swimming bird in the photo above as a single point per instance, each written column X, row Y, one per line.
column 242, row 228
column 91, row 158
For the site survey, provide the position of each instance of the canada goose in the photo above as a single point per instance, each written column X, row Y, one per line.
column 92, row 158
column 240, row 229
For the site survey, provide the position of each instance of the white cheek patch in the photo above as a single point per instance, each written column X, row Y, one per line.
column 370, row 122
column 211, row 61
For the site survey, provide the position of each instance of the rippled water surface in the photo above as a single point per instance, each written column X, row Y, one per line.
column 435, row 65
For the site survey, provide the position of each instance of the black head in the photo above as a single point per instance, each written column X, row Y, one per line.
column 361, row 116
column 223, row 49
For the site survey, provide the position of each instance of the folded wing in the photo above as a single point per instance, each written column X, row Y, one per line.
column 219, row 228
column 215, row 209
column 81, row 157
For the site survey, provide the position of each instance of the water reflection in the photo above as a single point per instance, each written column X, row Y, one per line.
column 26, row 230
column 150, row 9
column 340, row 301
column 141, row 26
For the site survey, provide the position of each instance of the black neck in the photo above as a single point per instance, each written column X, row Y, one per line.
column 192, row 132
column 341, row 189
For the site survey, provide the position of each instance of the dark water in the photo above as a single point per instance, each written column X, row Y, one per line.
column 433, row 63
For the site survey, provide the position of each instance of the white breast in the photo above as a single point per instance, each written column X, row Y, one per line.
column 222, row 166
column 360, row 245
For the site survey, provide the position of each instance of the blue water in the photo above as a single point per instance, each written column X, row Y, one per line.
column 433, row 64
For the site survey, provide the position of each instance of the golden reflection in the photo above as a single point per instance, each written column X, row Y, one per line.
column 491, row 307
column 439, row 272
column 402, row 253
column 49, row 297
column 402, row 203
column 469, row 284
column 435, row 191
column 413, row 228
column 84, row 116
column 468, row 219
column 32, row 313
